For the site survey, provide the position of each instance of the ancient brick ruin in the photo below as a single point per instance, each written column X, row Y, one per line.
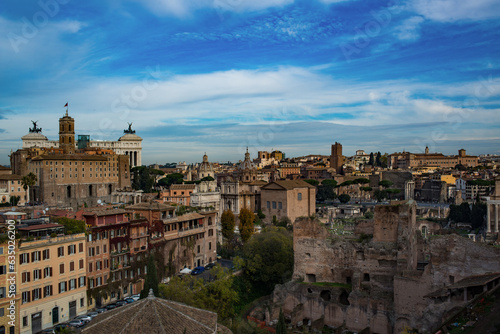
column 394, row 280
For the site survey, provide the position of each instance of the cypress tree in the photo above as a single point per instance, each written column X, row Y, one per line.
column 281, row 327
column 151, row 281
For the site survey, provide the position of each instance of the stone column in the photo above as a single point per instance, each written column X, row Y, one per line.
column 496, row 218
column 135, row 158
column 488, row 218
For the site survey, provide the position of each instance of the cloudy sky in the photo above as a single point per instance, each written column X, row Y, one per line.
column 216, row 76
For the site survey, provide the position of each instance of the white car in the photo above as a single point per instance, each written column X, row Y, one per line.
column 136, row 297
column 84, row 318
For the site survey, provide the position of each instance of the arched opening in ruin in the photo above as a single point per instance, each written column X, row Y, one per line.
column 366, row 277
column 344, row 298
column 325, row 295
column 311, row 278
column 68, row 191
column 309, row 290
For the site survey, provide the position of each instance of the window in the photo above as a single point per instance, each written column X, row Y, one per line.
column 62, row 287
column 82, row 302
column 80, row 247
column 3, row 270
column 36, row 294
column 90, row 267
column 274, row 205
column 2, row 312
column 72, row 284
column 25, row 277
column 24, row 258
column 268, row 204
column 72, row 266
column 37, row 274
column 80, row 266
column 35, row 256
column 47, row 272
column 299, row 196
column 104, row 250
column 46, row 254
column 47, row 291
column 209, row 246
column 81, row 281
column 71, row 249
column 280, row 206
column 97, row 248
column 60, row 251
column 61, row 268
column 25, row 297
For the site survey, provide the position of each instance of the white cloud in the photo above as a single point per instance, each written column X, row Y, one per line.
column 409, row 29
column 456, row 10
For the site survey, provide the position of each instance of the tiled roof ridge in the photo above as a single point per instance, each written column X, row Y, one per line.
column 158, row 316
column 117, row 313
column 164, row 302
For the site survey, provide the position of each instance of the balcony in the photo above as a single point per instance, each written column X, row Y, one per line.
column 122, row 251
column 190, row 230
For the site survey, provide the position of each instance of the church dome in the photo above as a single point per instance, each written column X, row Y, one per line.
column 205, row 167
column 247, row 163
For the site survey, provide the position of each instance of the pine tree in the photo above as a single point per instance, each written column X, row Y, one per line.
column 151, row 281
column 281, row 327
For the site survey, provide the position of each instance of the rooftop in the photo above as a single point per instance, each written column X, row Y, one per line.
column 154, row 316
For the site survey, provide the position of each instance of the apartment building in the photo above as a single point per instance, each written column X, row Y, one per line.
column 51, row 281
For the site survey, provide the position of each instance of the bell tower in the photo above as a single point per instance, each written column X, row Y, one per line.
column 67, row 134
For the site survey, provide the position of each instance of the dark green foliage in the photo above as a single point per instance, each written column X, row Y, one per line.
column 260, row 214
column 268, row 257
column 325, row 193
column 71, row 226
column 385, row 183
column 346, row 183
column 478, row 213
column 143, row 179
column 366, row 188
column 246, row 218
column 167, row 181
column 361, row 180
column 281, row 326
column 377, row 159
column 151, row 281
column 483, row 183
column 464, row 214
column 393, row 192
column 312, row 182
column 371, row 162
column 207, row 178
column 460, row 167
column 284, row 222
column 227, row 224
column 329, row 182
column 14, row 200
column 344, row 198
column 369, row 215
column 380, row 195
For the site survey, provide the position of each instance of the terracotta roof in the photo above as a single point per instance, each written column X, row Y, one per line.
column 290, row 184
column 105, row 212
column 149, row 206
column 10, row 177
column 182, row 186
column 40, row 227
column 4, row 168
column 154, row 316
column 185, row 217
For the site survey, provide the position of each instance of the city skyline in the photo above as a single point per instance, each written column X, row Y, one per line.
column 218, row 76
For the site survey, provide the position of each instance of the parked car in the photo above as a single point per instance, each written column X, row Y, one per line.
column 198, row 270
column 218, row 257
column 84, row 318
column 121, row 303
column 76, row 323
column 209, row 266
column 92, row 314
column 101, row 310
column 136, row 297
column 110, row 306
column 48, row 331
column 129, row 300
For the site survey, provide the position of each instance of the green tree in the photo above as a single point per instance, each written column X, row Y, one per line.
column 380, row 195
column 393, row 191
column 28, row 181
column 284, row 222
column 312, row 182
column 175, row 178
column 371, row 162
column 325, row 193
column 217, row 295
column 366, row 188
column 385, row 183
column 378, row 162
column 246, row 218
column 268, row 257
column 227, row 224
column 260, row 214
column 369, row 215
column 478, row 213
column 71, row 226
column 361, row 180
column 14, row 200
column 151, row 281
column 281, row 326
column 329, row 182
column 207, row 178
column 143, row 180
column 344, row 198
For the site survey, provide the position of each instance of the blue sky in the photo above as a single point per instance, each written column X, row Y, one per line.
column 217, row 76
